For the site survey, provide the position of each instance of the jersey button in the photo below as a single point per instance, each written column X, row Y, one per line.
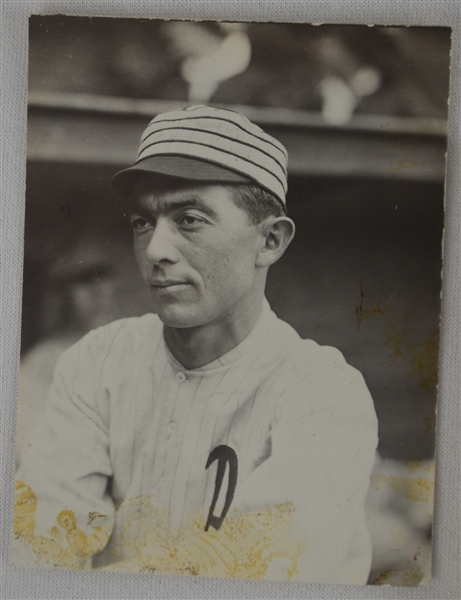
column 162, row 480
column 180, row 377
column 172, row 427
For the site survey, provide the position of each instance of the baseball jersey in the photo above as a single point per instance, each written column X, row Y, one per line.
column 256, row 465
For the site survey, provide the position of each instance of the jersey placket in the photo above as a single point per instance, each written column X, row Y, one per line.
column 168, row 448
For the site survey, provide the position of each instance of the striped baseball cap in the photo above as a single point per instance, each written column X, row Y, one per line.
column 204, row 143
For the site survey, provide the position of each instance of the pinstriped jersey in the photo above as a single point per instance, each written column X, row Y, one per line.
column 256, row 465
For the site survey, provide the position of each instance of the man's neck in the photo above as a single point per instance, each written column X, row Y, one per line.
column 198, row 346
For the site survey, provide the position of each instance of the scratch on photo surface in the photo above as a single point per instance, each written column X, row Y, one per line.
column 109, row 350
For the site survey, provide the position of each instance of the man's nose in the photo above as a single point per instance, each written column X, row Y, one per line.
column 161, row 246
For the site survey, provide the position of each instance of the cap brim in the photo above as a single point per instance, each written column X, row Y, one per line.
column 179, row 167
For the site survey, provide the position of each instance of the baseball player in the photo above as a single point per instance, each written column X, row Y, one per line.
column 206, row 438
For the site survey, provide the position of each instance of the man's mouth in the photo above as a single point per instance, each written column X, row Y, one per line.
column 168, row 283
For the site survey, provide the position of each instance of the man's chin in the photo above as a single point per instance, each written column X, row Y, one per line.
column 177, row 317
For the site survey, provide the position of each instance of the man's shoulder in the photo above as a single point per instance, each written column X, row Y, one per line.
column 122, row 337
column 139, row 327
column 302, row 353
column 317, row 376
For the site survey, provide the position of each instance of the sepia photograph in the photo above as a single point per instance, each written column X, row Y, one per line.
column 231, row 299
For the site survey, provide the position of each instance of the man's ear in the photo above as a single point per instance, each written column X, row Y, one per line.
column 277, row 235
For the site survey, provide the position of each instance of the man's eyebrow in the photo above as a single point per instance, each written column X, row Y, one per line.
column 137, row 206
column 168, row 206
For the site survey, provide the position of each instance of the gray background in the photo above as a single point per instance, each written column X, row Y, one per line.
column 20, row 583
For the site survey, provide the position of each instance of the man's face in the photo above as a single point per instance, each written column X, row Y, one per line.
column 196, row 251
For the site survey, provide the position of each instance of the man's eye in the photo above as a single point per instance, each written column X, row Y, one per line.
column 190, row 220
column 139, row 223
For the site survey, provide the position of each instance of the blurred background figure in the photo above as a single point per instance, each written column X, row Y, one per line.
column 80, row 297
column 208, row 57
column 400, row 507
